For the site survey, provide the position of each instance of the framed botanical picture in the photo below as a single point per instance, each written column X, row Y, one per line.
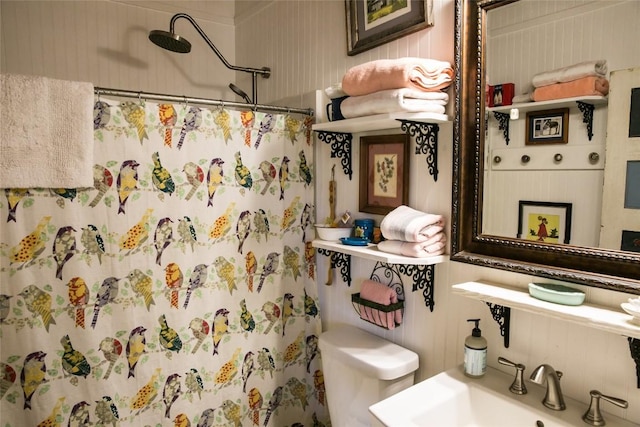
column 547, row 222
column 547, row 127
column 371, row 23
column 384, row 173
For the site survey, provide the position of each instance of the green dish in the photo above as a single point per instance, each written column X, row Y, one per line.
column 556, row 293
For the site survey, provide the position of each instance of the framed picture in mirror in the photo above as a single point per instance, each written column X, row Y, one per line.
column 547, row 127
column 630, row 241
column 545, row 222
column 384, row 173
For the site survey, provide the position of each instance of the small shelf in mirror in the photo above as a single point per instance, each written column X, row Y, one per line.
column 555, row 103
column 586, row 105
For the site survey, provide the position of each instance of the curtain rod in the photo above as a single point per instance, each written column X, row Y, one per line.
column 203, row 101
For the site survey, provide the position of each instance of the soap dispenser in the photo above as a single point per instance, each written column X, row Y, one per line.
column 475, row 352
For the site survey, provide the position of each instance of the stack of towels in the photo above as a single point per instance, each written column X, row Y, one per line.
column 394, row 85
column 412, row 233
column 582, row 79
column 380, row 294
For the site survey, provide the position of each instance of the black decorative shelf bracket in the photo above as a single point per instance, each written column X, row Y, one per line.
column 340, row 143
column 502, row 315
column 426, row 136
column 423, row 278
column 390, row 276
column 341, row 261
column 634, row 347
column 503, row 124
column 587, row 116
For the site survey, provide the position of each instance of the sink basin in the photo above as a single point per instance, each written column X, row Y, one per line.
column 452, row 399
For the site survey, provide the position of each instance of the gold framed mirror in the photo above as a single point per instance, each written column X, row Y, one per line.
column 589, row 265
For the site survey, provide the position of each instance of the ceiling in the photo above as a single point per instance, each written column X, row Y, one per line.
column 220, row 11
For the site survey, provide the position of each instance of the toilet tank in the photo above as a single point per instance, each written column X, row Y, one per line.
column 361, row 369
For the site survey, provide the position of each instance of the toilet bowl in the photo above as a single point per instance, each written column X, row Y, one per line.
column 361, row 369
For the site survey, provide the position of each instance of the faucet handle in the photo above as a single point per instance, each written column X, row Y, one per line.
column 518, row 386
column 593, row 415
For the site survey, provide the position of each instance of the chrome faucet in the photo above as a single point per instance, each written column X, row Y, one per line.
column 518, row 386
column 593, row 415
column 553, row 399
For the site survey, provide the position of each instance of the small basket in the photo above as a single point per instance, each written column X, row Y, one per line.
column 378, row 314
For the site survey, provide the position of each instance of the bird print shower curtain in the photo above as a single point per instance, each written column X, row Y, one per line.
column 179, row 290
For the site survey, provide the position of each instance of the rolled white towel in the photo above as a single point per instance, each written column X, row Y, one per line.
column 597, row 68
column 410, row 225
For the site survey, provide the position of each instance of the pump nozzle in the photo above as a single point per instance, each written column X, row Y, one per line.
column 476, row 332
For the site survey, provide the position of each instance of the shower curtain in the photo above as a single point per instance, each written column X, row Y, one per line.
column 179, row 290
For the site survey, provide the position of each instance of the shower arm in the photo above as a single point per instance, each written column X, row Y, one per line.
column 265, row 72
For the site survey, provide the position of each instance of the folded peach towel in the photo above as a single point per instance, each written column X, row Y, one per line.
column 410, row 225
column 577, row 71
column 383, row 295
column 436, row 245
column 394, row 100
column 415, row 73
column 586, row 86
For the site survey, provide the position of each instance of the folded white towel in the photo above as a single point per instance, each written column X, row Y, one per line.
column 410, row 225
column 436, row 245
column 596, row 68
column 46, row 132
column 393, row 101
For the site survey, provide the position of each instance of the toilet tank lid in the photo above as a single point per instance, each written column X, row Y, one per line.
column 374, row 356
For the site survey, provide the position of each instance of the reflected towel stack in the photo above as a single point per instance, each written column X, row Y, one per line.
column 582, row 79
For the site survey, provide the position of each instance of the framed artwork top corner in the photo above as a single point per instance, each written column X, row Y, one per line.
column 371, row 23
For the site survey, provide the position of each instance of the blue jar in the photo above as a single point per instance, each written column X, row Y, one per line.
column 364, row 228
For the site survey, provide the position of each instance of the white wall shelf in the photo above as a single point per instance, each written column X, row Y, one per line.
column 598, row 317
column 423, row 126
column 378, row 122
column 420, row 269
column 586, row 105
column 372, row 253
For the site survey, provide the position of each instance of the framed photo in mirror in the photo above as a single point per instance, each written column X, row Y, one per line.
column 545, row 222
column 547, row 127
column 384, row 173
column 630, row 241
column 371, row 23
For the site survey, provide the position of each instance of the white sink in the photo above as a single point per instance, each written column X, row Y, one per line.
column 451, row 399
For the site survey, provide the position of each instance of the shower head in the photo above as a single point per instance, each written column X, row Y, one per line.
column 242, row 94
column 170, row 41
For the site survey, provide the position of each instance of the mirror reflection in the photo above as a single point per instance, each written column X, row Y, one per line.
column 560, row 169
